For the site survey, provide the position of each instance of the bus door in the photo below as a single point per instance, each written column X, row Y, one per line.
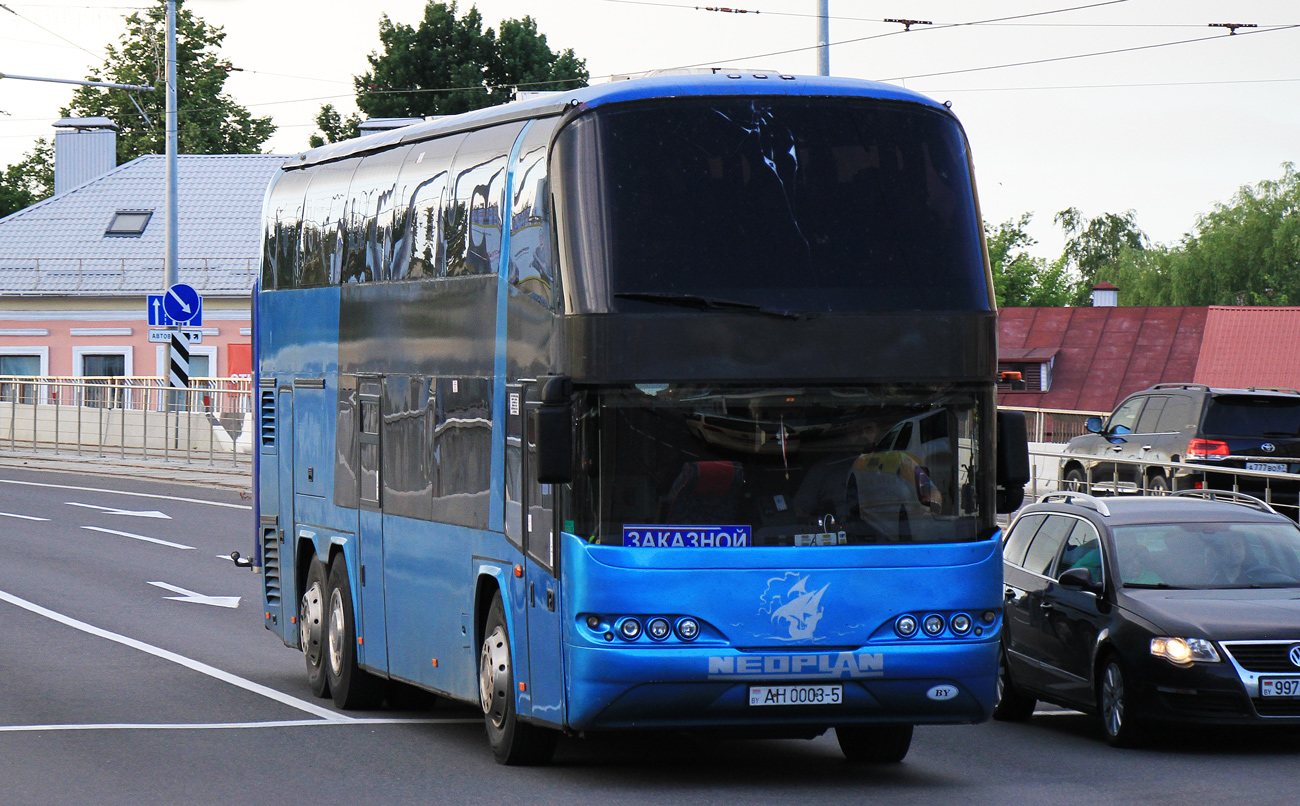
column 373, row 651
column 541, row 549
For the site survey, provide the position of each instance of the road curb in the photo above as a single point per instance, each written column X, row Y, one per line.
column 231, row 477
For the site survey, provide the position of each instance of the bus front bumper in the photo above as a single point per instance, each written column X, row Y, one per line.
column 615, row 687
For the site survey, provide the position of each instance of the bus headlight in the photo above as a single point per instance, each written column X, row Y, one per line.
column 688, row 629
column 933, row 624
column 905, row 626
column 960, row 623
column 658, row 628
column 630, row 628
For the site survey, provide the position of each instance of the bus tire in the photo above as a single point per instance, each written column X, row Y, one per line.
column 311, row 628
column 351, row 686
column 874, row 744
column 513, row 742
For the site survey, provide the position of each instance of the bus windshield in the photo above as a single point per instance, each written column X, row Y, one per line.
column 791, row 466
column 787, row 204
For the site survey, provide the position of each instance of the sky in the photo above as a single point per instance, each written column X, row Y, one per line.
column 1103, row 105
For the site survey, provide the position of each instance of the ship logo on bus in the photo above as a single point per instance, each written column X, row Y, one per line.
column 828, row 665
column 790, row 605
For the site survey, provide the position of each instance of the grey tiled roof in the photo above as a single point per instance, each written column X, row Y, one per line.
column 58, row 246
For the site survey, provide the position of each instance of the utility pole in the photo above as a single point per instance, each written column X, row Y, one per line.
column 823, row 38
column 170, row 270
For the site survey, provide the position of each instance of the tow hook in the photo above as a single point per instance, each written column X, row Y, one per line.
column 240, row 562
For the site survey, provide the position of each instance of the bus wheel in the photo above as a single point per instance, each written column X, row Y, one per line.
column 351, row 686
column 874, row 744
column 513, row 742
column 311, row 629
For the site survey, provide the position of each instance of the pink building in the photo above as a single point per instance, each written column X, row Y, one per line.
column 76, row 269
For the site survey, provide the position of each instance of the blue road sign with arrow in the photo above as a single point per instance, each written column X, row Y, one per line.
column 181, row 304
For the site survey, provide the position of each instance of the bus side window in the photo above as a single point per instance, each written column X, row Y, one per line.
column 417, row 242
column 473, row 216
column 531, row 247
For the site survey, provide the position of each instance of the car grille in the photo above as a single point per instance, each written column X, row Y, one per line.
column 1205, row 702
column 1272, row 707
column 1263, row 657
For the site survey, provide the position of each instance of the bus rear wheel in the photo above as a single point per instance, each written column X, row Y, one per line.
column 351, row 686
column 311, row 629
column 513, row 742
column 874, row 744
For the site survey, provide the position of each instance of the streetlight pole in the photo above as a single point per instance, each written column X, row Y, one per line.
column 823, row 38
column 171, row 272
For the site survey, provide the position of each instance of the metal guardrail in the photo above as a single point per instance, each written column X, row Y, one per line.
column 211, row 421
column 1055, row 425
column 1279, row 489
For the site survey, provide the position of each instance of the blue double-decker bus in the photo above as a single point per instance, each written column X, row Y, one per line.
column 660, row 404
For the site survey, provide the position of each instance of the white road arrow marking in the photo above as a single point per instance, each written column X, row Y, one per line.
column 138, row 537
column 24, row 517
column 197, row 598
column 135, row 513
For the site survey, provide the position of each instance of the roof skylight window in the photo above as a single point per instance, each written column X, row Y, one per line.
column 129, row 223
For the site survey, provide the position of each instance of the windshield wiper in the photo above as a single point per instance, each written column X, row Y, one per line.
column 702, row 303
column 1164, row 586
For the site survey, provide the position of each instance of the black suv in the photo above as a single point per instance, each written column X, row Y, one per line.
column 1250, row 429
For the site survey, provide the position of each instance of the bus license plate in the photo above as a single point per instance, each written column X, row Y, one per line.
column 1278, row 687
column 796, row 695
column 1268, row 467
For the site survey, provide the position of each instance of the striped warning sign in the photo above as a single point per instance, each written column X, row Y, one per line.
column 178, row 372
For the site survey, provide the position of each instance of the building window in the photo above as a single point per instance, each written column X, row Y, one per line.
column 129, row 223
column 16, row 391
column 104, row 371
column 1036, row 375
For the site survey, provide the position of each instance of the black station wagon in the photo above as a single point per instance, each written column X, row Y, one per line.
column 1180, row 608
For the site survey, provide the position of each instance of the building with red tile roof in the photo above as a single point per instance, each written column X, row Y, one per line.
column 1245, row 347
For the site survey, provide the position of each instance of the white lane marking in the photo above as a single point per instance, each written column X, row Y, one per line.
column 188, row 663
column 135, row 513
column 138, row 537
column 124, row 492
column 289, row 723
column 24, row 517
column 197, row 598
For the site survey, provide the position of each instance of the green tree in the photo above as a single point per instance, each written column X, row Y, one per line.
column 334, row 126
column 1245, row 252
column 450, row 64
column 29, row 180
column 208, row 120
column 1097, row 243
column 1020, row 279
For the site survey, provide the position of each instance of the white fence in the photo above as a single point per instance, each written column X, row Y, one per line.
column 212, row 421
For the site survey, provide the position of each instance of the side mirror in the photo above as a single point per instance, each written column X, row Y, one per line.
column 1012, row 460
column 1093, row 425
column 555, row 430
column 1079, row 579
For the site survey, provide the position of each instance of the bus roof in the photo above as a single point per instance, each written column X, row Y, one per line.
column 726, row 83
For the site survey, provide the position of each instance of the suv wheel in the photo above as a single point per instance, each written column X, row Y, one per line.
column 1157, row 484
column 1075, row 481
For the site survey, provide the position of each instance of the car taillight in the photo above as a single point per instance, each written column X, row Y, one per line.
column 1207, row 449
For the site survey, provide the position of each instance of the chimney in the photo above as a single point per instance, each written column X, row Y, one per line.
column 1105, row 295
column 84, row 149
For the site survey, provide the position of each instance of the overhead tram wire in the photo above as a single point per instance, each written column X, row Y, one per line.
column 1051, row 59
column 51, row 33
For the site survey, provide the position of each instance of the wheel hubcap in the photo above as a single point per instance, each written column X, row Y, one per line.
column 312, row 614
column 1112, row 700
column 336, row 630
column 494, row 676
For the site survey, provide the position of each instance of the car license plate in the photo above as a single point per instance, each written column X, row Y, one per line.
column 1270, row 467
column 1279, row 687
column 796, row 695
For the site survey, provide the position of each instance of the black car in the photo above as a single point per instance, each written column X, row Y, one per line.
column 1242, row 429
column 1180, row 608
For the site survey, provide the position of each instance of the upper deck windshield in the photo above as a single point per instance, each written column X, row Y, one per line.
column 789, row 466
column 788, row 204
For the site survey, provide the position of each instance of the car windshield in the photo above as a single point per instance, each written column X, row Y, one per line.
column 1208, row 555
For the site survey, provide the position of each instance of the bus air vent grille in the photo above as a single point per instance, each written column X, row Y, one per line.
column 268, row 419
column 271, row 566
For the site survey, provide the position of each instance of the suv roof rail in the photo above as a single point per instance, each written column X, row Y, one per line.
column 1273, row 389
column 1227, row 496
column 1202, row 387
column 1071, row 497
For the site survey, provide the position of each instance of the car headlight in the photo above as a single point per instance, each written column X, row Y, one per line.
column 1184, row 651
